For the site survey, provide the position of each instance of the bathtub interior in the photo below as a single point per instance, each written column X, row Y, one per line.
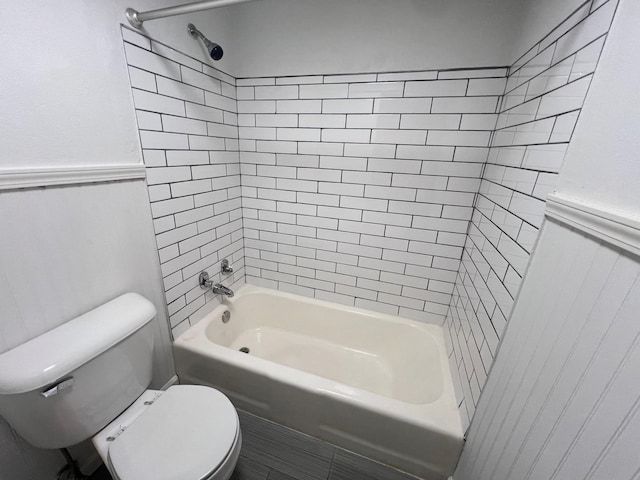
column 380, row 354
column 371, row 383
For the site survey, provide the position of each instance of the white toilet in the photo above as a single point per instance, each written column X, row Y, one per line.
column 88, row 379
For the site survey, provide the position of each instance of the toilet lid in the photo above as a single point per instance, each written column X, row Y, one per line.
column 185, row 435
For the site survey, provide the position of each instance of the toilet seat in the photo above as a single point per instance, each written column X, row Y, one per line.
column 188, row 433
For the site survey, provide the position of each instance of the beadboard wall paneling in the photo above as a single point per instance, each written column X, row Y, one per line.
column 562, row 400
column 68, row 250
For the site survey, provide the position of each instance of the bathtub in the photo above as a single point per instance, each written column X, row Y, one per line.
column 371, row 383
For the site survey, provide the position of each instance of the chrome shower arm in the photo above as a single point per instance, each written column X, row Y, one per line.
column 194, row 32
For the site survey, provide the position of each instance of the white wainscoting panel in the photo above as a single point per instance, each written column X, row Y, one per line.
column 562, row 399
column 66, row 250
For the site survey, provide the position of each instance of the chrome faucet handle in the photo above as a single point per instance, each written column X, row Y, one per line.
column 204, row 281
column 225, row 268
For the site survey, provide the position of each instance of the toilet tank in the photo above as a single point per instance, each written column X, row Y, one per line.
column 64, row 386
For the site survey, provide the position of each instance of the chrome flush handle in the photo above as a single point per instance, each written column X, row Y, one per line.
column 57, row 388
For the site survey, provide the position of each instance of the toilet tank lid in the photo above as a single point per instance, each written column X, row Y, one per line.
column 45, row 359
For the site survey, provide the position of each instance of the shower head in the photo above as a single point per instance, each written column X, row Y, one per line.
column 215, row 50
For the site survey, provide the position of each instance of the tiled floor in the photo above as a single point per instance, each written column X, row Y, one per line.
column 273, row 452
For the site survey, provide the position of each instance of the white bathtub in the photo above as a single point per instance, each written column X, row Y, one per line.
column 374, row 384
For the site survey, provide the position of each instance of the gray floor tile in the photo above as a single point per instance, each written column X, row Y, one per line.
column 249, row 469
column 276, row 475
column 285, row 450
column 349, row 466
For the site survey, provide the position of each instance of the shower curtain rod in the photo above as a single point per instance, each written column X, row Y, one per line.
column 137, row 18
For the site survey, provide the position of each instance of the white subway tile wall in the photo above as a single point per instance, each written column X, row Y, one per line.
column 418, row 194
column 545, row 91
column 359, row 189
column 187, row 119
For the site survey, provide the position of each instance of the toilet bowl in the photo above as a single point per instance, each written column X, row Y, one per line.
column 186, row 433
column 89, row 379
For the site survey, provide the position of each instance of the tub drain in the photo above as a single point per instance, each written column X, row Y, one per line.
column 244, row 349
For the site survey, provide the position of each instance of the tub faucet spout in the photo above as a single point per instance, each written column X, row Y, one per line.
column 217, row 288
column 221, row 289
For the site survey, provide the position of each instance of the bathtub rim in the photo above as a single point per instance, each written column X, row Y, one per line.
column 441, row 415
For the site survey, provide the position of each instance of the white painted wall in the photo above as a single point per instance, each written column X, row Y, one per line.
column 66, row 101
column 603, row 162
column 65, row 90
column 298, row 37
column 537, row 19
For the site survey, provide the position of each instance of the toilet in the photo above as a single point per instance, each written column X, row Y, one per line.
column 88, row 379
